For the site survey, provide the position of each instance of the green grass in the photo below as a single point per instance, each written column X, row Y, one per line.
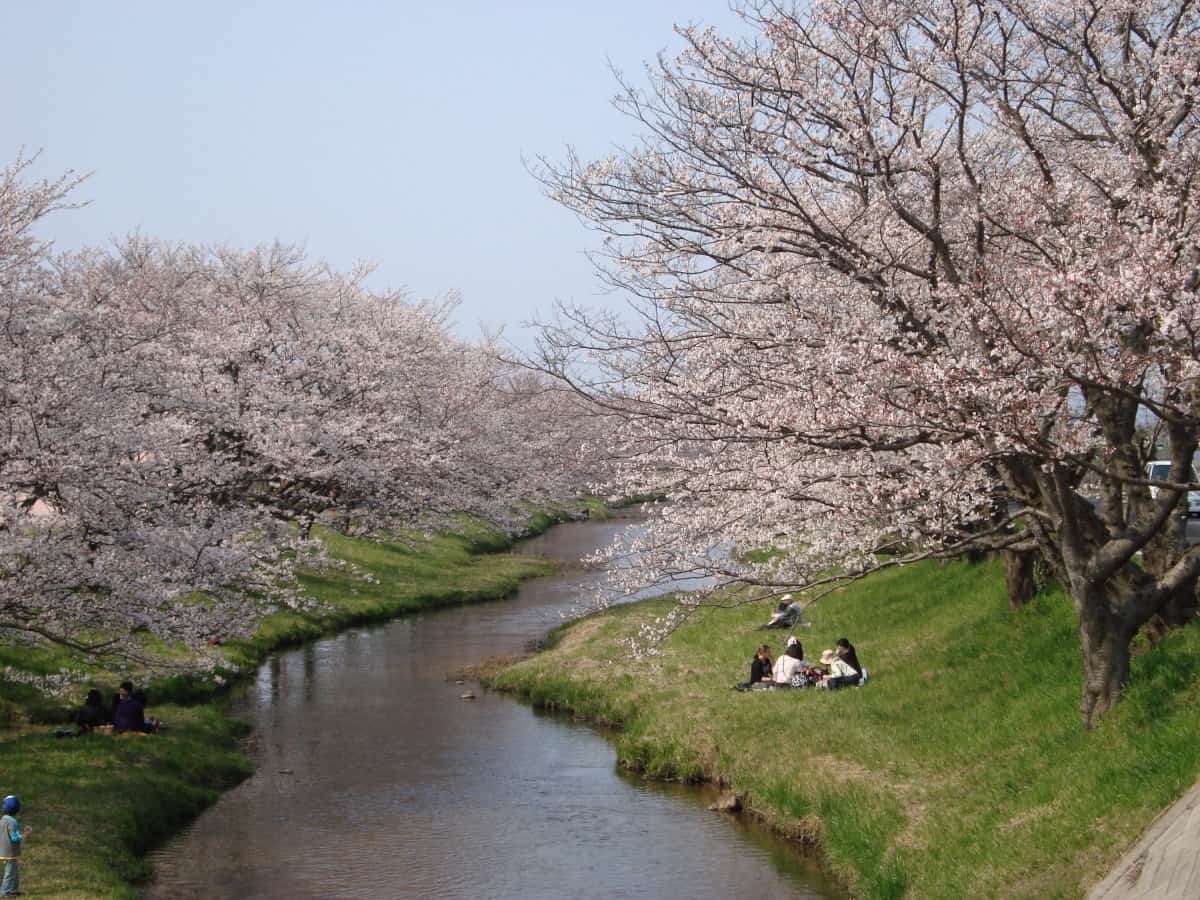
column 412, row 572
column 98, row 803
column 960, row 770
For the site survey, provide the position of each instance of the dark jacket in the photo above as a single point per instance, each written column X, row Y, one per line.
column 129, row 715
column 91, row 714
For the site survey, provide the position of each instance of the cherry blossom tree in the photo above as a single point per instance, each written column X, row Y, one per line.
column 906, row 279
column 175, row 418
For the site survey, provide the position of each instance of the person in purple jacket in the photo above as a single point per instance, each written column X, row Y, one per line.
column 129, row 713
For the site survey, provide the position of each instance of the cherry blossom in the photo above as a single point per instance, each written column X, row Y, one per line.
column 176, row 418
column 908, row 279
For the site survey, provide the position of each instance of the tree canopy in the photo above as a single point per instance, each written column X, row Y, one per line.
column 909, row 278
column 173, row 419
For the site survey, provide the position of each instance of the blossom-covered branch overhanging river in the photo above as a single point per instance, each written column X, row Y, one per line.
column 374, row 780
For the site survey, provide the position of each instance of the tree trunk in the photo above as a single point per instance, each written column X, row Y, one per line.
column 1105, row 640
column 1018, row 573
column 1179, row 609
column 1160, row 554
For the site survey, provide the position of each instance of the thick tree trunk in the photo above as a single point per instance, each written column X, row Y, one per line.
column 1105, row 641
column 1018, row 573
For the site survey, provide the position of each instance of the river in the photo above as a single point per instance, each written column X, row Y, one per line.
column 375, row 780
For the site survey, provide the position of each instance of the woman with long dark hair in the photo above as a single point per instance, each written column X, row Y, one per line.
column 790, row 663
column 844, row 667
column 845, row 650
column 93, row 713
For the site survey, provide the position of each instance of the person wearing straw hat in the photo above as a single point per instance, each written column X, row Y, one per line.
column 841, row 670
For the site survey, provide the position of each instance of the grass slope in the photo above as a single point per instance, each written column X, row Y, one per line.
column 961, row 768
column 415, row 573
column 97, row 803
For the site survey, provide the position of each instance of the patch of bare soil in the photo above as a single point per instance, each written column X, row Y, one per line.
column 487, row 669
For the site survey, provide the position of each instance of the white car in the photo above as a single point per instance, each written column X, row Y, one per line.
column 1160, row 470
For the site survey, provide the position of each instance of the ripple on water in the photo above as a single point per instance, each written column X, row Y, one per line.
column 398, row 789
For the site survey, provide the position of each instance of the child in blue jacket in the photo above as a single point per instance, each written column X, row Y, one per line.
column 11, row 839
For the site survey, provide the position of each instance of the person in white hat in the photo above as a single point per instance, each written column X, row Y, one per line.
column 789, row 614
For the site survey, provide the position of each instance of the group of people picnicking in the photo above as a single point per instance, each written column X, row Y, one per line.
column 125, row 714
column 838, row 667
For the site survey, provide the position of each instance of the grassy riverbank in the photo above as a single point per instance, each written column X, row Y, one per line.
column 420, row 572
column 98, row 803
column 961, row 768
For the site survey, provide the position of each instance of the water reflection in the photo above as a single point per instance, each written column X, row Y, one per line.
column 375, row 780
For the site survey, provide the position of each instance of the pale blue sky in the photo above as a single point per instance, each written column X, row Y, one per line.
column 391, row 132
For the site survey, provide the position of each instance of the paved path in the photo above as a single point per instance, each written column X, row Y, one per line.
column 1165, row 863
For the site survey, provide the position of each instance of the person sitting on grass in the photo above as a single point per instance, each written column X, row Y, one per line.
column 149, row 724
column 839, row 672
column 760, row 666
column 129, row 713
column 844, row 667
column 788, row 614
column 791, row 663
column 845, row 650
column 92, row 714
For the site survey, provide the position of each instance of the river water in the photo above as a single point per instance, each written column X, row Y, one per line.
column 375, row 780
